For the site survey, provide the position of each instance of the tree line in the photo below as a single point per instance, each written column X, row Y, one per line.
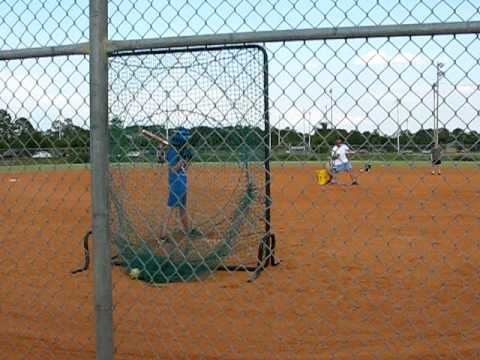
column 19, row 133
column 323, row 138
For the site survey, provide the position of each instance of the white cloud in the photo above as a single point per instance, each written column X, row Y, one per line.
column 372, row 57
column 313, row 65
column 349, row 121
column 38, row 99
column 466, row 88
column 380, row 57
column 409, row 58
column 293, row 115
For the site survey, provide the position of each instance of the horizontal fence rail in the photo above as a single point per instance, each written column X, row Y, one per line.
column 239, row 179
column 353, row 32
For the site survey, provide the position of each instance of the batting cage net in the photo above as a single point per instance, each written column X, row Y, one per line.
column 189, row 176
column 146, row 134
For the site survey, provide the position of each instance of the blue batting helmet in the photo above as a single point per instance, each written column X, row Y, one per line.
column 180, row 138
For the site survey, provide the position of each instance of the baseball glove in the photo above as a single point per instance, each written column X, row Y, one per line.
column 186, row 154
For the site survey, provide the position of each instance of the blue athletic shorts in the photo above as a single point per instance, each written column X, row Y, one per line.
column 177, row 182
column 177, row 198
column 342, row 167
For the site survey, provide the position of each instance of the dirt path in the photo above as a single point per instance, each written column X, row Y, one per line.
column 387, row 269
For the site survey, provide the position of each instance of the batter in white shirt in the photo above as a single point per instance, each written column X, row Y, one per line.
column 340, row 161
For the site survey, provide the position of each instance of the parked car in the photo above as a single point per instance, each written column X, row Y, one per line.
column 9, row 154
column 42, row 155
column 134, row 154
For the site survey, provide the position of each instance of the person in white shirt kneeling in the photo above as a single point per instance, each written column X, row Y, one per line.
column 340, row 162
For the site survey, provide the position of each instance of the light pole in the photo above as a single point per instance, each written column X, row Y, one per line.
column 326, row 115
column 399, row 128
column 60, row 129
column 434, row 112
column 436, row 99
column 167, row 114
column 279, row 134
column 302, row 127
column 331, row 108
column 307, row 120
column 270, row 139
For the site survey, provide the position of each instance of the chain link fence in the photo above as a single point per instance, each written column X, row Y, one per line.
column 202, row 144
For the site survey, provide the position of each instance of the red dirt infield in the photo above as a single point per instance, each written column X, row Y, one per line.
column 387, row 269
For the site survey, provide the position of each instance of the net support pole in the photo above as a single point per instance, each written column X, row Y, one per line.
column 266, row 251
column 99, row 178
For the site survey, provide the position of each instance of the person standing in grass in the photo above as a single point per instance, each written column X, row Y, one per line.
column 436, row 157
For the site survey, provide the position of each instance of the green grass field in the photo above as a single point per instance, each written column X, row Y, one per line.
column 42, row 167
column 357, row 163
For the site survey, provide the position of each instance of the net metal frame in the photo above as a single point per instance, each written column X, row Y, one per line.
column 265, row 252
column 409, row 301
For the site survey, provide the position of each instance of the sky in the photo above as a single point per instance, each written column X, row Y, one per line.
column 375, row 83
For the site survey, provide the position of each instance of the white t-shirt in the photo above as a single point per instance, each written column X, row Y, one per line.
column 341, row 151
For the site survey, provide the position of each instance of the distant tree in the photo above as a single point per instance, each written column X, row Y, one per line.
column 444, row 136
column 73, row 135
column 291, row 137
column 471, row 140
column 423, row 137
column 405, row 138
column 23, row 126
column 57, row 127
column 6, row 129
column 334, row 134
column 233, row 136
column 116, row 123
column 119, row 141
column 275, row 138
column 355, row 138
column 25, row 134
column 458, row 134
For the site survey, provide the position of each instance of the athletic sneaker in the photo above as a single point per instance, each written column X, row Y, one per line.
column 165, row 239
column 195, row 234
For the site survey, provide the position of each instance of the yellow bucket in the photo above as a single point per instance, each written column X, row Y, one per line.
column 323, row 177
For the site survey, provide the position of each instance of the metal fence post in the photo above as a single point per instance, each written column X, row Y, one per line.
column 386, row 266
column 99, row 163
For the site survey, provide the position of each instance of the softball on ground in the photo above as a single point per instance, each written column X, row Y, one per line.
column 134, row 273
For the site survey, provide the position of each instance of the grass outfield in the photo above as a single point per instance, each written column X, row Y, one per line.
column 403, row 163
column 42, row 167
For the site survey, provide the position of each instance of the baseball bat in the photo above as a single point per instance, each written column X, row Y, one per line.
column 156, row 137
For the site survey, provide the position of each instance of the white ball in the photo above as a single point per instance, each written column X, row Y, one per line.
column 134, row 273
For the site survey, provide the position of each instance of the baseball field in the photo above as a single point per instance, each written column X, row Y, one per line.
column 386, row 269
